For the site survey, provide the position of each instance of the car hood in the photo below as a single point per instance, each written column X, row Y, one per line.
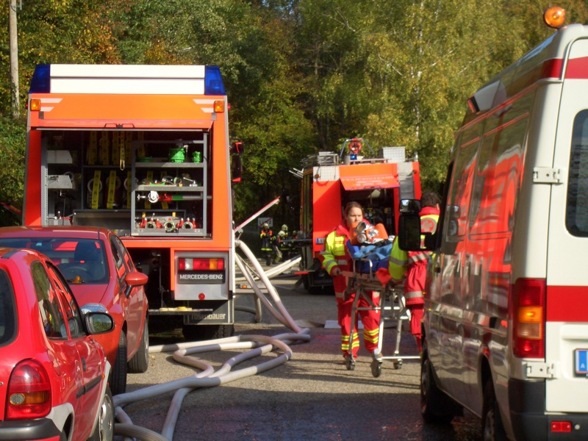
column 95, row 293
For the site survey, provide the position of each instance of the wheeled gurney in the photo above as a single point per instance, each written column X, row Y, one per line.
column 392, row 308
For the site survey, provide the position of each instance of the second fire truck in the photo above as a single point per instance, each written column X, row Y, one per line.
column 330, row 180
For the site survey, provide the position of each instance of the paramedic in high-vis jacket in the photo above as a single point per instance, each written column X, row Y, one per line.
column 411, row 266
column 336, row 258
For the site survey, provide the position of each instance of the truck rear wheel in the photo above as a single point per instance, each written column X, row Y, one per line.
column 207, row 332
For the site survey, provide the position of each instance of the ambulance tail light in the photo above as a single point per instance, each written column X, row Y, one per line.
column 528, row 316
column 200, row 264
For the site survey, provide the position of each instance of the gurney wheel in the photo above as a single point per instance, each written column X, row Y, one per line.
column 376, row 368
column 397, row 364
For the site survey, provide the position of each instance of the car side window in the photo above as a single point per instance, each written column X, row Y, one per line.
column 117, row 254
column 7, row 312
column 49, row 308
column 126, row 255
column 69, row 304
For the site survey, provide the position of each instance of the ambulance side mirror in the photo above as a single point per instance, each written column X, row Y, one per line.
column 409, row 225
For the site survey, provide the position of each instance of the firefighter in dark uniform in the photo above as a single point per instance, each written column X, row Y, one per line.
column 267, row 243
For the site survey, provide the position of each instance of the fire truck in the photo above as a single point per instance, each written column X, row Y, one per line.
column 145, row 151
column 330, row 180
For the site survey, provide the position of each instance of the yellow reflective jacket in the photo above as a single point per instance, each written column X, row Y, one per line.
column 335, row 252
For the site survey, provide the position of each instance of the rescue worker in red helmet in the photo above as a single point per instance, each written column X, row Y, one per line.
column 411, row 266
column 336, row 259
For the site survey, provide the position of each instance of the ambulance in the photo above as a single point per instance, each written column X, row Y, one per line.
column 506, row 322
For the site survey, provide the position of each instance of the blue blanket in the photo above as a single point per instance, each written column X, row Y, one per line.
column 369, row 258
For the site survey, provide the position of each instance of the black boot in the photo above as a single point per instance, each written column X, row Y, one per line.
column 349, row 362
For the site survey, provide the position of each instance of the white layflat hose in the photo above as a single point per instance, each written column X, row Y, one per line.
column 251, row 276
column 208, row 377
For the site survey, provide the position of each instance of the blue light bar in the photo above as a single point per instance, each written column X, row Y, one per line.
column 213, row 81
column 41, row 82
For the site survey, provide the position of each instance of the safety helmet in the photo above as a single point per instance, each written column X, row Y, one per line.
column 284, row 227
column 265, row 225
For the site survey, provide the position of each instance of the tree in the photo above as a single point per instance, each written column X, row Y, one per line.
column 12, row 153
column 301, row 75
column 399, row 72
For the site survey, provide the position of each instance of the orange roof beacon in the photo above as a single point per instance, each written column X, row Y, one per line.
column 142, row 150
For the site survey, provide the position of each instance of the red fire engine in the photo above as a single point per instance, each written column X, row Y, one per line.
column 142, row 150
column 330, row 180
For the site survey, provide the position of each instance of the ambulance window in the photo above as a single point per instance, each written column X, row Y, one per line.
column 460, row 191
column 577, row 198
column 498, row 179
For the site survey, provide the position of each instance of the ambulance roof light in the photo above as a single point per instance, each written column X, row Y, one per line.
column 554, row 17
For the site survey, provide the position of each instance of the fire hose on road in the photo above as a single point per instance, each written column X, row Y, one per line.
column 258, row 345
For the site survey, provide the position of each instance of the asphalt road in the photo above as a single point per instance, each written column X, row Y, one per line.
column 310, row 397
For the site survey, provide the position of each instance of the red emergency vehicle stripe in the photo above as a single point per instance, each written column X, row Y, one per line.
column 548, row 69
column 577, row 68
column 567, row 304
column 551, row 69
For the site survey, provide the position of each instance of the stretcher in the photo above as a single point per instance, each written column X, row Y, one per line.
column 392, row 309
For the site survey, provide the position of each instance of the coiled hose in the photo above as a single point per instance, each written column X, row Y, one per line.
column 258, row 345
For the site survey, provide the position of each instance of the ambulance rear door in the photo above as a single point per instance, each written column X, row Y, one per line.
column 566, row 343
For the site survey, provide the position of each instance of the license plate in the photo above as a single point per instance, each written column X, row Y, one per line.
column 581, row 361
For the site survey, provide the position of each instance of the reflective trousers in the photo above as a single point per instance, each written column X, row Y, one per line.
column 369, row 318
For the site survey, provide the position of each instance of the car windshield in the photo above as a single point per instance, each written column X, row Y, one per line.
column 79, row 260
column 7, row 313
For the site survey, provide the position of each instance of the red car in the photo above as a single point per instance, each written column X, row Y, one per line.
column 52, row 370
column 99, row 269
